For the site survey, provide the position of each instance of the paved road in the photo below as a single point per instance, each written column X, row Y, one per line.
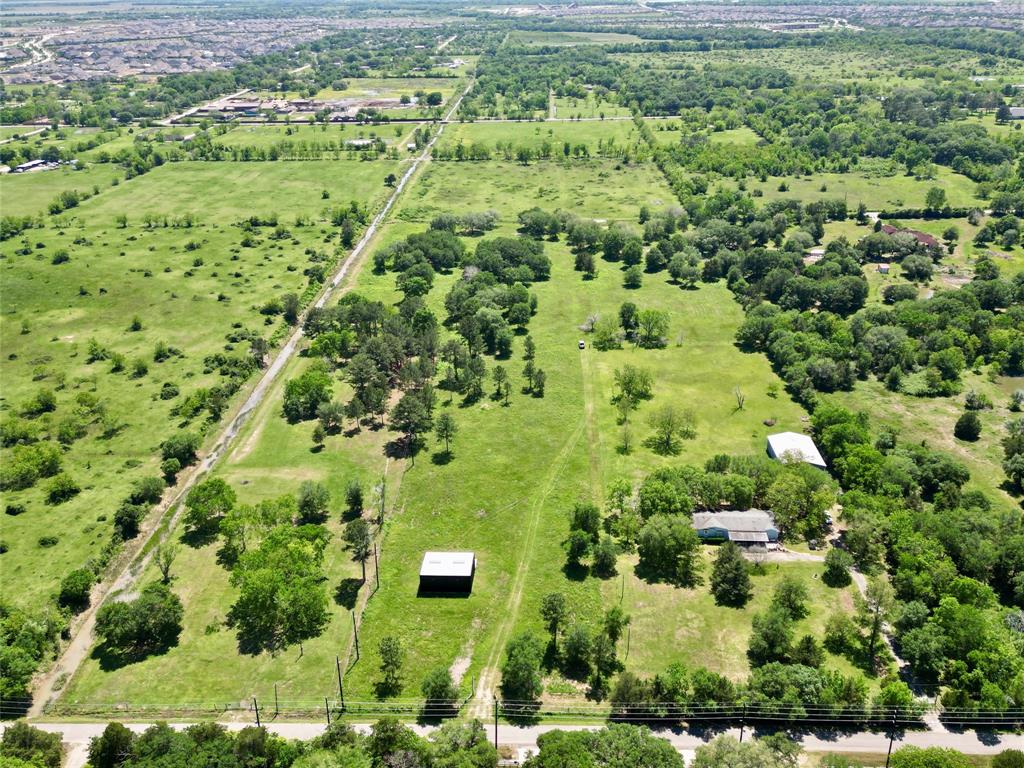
column 78, row 648
column 77, row 736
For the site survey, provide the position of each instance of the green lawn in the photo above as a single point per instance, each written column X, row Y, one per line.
column 266, row 136
column 52, row 311
column 702, row 634
column 588, row 107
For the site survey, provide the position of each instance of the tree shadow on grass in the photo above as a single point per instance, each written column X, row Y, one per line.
column 111, row 660
column 576, row 571
column 348, row 592
column 198, row 538
column 441, row 458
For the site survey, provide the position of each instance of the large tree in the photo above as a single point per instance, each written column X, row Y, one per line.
column 281, row 599
column 730, row 577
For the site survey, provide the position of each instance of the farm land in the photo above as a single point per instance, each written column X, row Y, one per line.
column 200, row 282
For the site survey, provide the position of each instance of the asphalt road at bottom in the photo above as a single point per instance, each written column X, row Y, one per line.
column 522, row 739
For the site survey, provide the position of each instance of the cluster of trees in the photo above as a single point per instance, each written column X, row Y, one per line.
column 954, row 561
column 578, row 649
column 275, row 552
column 546, row 149
column 382, row 348
column 937, row 338
column 389, row 742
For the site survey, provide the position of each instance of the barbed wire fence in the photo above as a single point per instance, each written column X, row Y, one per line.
column 268, row 706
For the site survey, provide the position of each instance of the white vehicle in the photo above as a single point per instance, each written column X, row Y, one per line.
column 583, row 344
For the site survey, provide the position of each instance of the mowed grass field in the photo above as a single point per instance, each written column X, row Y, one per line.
column 189, row 287
column 515, row 472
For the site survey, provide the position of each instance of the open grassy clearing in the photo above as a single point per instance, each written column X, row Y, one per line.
column 743, row 137
column 391, row 87
column 29, row 194
column 533, row 37
column 114, row 274
column 266, row 136
column 988, row 120
column 684, row 625
column 516, row 470
column 876, row 191
column 533, row 134
column 845, row 61
column 931, row 419
column 588, row 107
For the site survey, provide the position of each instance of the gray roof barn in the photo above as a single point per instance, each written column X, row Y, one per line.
column 745, row 527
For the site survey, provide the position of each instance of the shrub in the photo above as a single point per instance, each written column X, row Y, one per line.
column 74, row 589
column 968, row 427
column 62, row 488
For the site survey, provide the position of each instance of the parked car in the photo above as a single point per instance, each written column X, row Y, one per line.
column 583, row 344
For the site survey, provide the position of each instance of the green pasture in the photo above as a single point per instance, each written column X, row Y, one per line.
column 188, row 285
column 876, row 191
column 590, row 106
column 540, row 38
column 266, row 136
column 515, row 471
column 534, row 134
column 684, row 625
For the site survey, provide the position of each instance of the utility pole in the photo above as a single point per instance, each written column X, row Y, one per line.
column 743, row 722
column 276, row 710
column 257, row 708
column 341, row 693
column 355, row 633
column 495, row 722
column 376, row 569
column 327, row 709
column 892, row 737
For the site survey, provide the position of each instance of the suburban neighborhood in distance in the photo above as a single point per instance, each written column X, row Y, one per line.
column 422, row 384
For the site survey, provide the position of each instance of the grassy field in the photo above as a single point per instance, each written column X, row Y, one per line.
column 847, row 61
column 876, row 191
column 704, row 634
column 931, row 420
column 186, row 296
column 743, row 137
column 531, row 37
column 516, row 470
column 532, row 135
column 588, row 107
column 266, row 136
column 28, row 194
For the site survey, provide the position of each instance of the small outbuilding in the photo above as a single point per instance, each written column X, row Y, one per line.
column 447, row 573
column 795, row 447
column 749, row 527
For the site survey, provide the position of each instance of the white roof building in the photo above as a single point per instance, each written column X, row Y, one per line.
column 795, row 447
column 447, row 564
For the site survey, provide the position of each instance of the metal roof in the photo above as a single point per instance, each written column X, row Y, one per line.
column 735, row 521
column 447, row 564
column 749, row 536
column 795, row 445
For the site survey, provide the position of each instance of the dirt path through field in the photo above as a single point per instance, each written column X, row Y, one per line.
column 487, row 687
column 57, row 678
